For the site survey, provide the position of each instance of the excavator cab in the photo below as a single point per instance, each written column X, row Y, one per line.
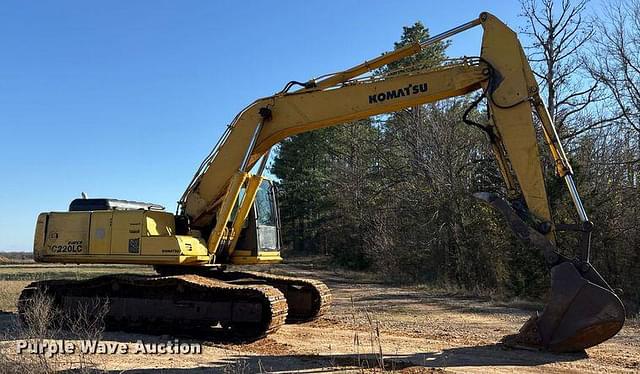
column 259, row 240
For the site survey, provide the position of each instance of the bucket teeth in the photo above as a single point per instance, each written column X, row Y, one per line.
column 528, row 337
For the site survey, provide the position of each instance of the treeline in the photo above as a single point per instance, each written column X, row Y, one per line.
column 393, row 194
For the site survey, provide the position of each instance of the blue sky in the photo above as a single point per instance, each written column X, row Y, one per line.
column 124, row 98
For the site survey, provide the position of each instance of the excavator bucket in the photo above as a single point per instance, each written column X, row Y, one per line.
column 582, row 309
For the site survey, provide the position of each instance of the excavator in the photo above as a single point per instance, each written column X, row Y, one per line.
column 228, row 214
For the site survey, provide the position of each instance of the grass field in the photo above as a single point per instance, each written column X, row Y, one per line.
column 7, row 257
column 14, row 277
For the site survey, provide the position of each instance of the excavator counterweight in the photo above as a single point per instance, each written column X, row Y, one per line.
column 228, row 214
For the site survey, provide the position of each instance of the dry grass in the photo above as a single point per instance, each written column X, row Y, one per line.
column 16, row 258
column 448, row 289
column 85, row 323
column 372, row 358
column 42, row 323
column 9, row 292
column 240, row 366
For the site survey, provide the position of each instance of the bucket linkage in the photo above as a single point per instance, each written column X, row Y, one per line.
column 582, row 310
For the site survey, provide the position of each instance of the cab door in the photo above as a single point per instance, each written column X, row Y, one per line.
column 267, row 222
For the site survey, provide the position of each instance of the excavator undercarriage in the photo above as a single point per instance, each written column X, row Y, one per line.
column 171, row 304
column 217, row 304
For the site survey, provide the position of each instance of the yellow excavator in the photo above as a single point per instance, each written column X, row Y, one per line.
column 228, row 213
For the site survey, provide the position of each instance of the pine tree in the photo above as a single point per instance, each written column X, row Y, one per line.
column 301, row 166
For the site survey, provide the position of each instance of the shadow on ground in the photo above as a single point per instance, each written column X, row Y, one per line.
column 478, row 356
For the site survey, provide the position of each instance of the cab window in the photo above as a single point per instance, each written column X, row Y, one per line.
column 265, row 205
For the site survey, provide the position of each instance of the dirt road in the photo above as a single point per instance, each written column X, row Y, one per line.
column 373, row 326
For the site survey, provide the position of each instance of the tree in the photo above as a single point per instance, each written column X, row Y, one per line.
column 428, row 57
column 615, row 58
column 559, row 32
column 301, row 166
column 341, row 186
column 590, row 76
column 354, row 190
column 612, row 154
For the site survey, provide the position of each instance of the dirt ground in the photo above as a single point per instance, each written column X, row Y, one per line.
column 373, row 326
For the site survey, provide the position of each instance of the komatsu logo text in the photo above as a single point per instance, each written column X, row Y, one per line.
column 400, row 92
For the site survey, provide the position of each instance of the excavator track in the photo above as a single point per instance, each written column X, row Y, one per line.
column 308, row 299
column 169, row 304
